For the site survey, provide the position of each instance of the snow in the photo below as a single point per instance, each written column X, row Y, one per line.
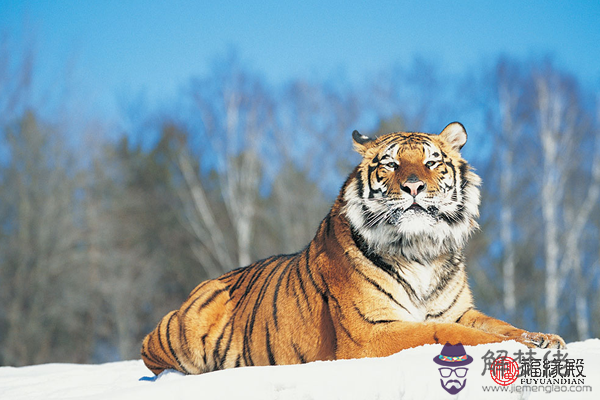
column 410, row 374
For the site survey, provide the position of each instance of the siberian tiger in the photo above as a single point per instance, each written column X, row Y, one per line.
column 384, row 272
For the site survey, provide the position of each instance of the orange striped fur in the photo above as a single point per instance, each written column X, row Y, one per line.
column 383, row 273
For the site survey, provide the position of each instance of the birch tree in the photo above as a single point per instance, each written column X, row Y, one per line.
column 508, row 93
column 577, row 215
column 562, row 128
column 235, row 118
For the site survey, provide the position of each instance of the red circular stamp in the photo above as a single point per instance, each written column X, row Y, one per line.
column 504, row 371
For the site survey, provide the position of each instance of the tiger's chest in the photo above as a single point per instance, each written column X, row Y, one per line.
column 429, row 292
column 422, row 281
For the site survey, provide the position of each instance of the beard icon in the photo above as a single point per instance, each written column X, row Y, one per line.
column 453, row 386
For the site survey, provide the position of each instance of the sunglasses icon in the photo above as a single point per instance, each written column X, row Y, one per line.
column 447, row 372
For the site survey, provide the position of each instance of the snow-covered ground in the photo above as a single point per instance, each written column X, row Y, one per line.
column 410, row 374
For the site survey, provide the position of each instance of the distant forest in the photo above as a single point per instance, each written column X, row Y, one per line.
column 105, row 227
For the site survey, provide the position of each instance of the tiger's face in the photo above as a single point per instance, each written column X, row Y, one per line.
column 413, row 194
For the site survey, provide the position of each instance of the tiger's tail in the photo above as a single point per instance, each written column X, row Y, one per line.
column 182, row 337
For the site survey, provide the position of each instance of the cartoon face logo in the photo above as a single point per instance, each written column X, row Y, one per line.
column 453, row 373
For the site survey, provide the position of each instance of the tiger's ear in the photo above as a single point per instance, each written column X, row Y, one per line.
column 455, row 135
column 361, row 142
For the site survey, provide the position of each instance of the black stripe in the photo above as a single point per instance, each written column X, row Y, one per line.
column 258, row 270
column 302, row 288
column 152, row 359
column 242, row 278
column 308, row 270
column 261, row 295
column 200, row 286
column 276, row 292
column 203, row 340
column 379, row 288
column 236, row 271
column 298, row 305
column 360, row 186
column 183, row 332
column 391, row 271
column 183, row 340
column 329, row 297
column 268, row 344
column 328, row 224
column 454, row 196
column 206, row 302
column 238, row 361
column 453, row 168
column 182, row 368
column 378, row 262
column 295, row 292
column 249, row 328
column 160, row 339
column 298, row 353
column 246, row 347
column 347, row 332
column 158, row 358
column 370, row 170
column 289, row 278
column 463, row 167
column 372, row 321
column 454, row 217
column 439, row 314
column 463, row 314
column 216, row 352
column 450, row 269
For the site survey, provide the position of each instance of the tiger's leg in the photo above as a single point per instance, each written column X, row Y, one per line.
column 185, row 339
column 389, row 338
column 479, row 320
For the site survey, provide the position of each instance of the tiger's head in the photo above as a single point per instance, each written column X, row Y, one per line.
column 413, row 195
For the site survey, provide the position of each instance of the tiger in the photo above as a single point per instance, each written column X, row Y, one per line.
column 385, row 272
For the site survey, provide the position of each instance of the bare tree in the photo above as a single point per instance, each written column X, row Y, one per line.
column 561, row 129
column 211, row 246
column 135, row 271
column 235, row 115
column 292, row 212
column 42, row 249
column 577, row 215
column 508, row 93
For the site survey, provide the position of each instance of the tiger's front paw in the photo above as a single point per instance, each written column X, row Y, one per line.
column 542, row 340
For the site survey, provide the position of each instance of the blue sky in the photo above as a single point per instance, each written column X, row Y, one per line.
column 123, row 48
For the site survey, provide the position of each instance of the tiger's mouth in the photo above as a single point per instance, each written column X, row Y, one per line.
column 416, row 208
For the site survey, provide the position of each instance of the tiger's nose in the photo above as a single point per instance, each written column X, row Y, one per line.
column 413, row 185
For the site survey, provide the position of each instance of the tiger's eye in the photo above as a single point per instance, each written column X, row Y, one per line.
column 430, row 164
